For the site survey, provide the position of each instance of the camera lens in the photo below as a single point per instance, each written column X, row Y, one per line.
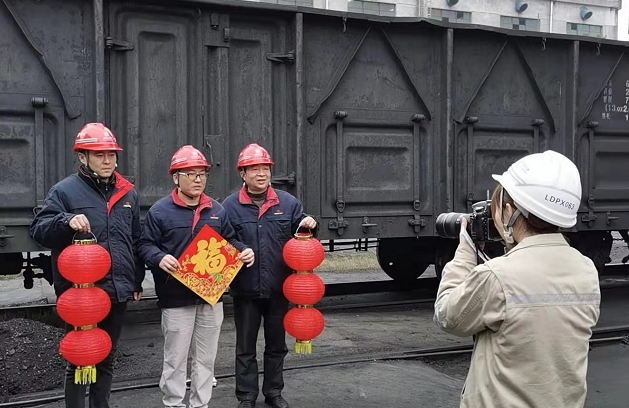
column 448, row 225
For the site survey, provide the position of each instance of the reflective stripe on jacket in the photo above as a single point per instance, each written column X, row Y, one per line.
column 532, row 312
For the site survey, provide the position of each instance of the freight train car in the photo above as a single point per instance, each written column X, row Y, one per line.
column 377, row 125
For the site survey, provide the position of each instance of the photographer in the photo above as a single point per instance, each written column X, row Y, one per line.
column 532, row 310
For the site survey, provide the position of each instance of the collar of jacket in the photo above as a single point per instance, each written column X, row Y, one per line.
column 540, row 240
column 204, row 202
column 121, row 185
column 270, row 200
column 83, row 172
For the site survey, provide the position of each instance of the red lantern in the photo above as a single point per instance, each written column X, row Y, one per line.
column 84, row 262
column 304, row 324
column 83, row 307
column 304, row 288
column 303, row 253
column 85, row 349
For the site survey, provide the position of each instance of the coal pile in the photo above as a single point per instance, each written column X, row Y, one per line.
column 29, row 357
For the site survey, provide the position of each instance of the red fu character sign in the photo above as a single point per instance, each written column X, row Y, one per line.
column 208, row 265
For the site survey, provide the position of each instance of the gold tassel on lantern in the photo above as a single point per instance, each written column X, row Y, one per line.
column 303, row 347
column 85, row 375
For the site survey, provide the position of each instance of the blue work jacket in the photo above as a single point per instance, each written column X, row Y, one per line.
column 114, row 220
column 265, row 229
column 169, row 228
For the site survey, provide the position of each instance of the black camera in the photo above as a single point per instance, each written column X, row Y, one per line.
column 480, row 225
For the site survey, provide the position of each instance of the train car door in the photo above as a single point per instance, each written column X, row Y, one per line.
column 507, row 104
column 198, row 76
column 372, row 157
column 248, row 95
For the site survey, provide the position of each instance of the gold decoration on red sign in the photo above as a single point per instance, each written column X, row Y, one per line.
column 208, row 265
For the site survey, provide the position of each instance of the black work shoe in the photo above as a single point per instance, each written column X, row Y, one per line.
column 247, row 404
column 276, row 402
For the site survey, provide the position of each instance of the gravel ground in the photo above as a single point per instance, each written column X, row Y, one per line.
column 397, row 383
column 363, row 333
column 352, row 333
column 619, row 248
column 29, row 359
column 453, row 366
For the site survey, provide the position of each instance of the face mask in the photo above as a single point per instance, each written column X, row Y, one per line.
column 508, row 227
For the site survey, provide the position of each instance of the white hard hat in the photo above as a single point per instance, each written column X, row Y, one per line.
column 547, row 185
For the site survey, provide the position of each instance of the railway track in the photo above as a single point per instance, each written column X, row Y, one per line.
column 398, row 297
column 603, row 335
column 616, row 269
column 421, row 290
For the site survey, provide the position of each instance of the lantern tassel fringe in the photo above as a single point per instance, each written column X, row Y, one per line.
column 85, row 375
column 303, row 347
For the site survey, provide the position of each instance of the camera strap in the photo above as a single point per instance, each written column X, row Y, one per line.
column 471, row 243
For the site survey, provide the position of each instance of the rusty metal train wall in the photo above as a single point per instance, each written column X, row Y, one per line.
column 376, row 125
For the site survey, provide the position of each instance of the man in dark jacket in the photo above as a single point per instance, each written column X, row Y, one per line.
column 265, row 220
column 187, row 320
column 97, row 201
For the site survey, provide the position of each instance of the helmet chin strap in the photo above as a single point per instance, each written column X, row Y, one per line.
column 87, row 165
column 508, row 227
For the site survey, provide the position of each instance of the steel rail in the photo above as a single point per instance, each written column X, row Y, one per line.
column 599, row 335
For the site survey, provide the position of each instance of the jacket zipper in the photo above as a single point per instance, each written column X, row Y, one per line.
column 260, row 269
column 113, row 281
column 191, row 236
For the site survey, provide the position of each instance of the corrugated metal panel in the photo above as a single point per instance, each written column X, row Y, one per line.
column 603, row 134
column 214, row 81
column 43, row 74
column 391, row 123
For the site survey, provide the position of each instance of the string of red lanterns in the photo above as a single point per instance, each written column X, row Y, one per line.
column 304, row 288
column 84, row 306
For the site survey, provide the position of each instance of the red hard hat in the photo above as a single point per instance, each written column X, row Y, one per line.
column 95, row 136
column 187, row 156
column 253, row 154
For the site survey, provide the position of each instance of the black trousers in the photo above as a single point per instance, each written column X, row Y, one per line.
column 100, row 390
column 248, row 314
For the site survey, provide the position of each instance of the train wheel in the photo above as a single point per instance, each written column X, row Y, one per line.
column 404, row 259
column 596, row 245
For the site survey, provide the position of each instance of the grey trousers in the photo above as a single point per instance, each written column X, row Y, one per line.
column 193, row 329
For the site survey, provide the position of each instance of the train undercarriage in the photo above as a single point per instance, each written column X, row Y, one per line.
column 402, row 259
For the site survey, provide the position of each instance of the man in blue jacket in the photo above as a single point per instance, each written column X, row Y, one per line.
column 188, row 321
column 97, row 201
column 265, row 220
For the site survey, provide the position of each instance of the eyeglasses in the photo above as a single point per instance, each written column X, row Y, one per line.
column 193, row 176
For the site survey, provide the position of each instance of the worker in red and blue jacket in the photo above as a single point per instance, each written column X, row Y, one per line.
column 97, row 201
column 188, row 321
column 264, row 219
